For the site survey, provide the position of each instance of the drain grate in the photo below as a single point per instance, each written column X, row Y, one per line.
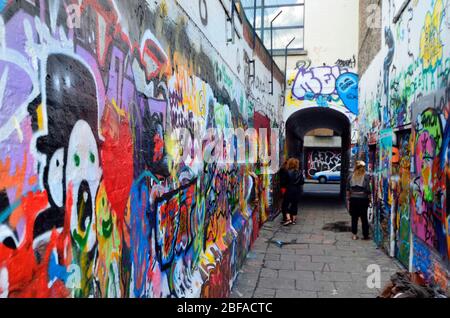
column 337, row 227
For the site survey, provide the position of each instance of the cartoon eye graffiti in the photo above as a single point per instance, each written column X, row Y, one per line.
column 55, row 177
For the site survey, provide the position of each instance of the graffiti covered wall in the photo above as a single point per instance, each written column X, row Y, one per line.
column 333, row 87
column 322, row 160
column 407, row 88
column 93, row 201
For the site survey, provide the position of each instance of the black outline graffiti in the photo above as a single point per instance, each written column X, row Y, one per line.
column 204, row 17
column 322, row 160
column 351, row 62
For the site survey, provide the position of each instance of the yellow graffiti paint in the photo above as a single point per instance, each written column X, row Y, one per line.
column 40, row 117
column 119, row 111
column 431, row 48
column 109, row 245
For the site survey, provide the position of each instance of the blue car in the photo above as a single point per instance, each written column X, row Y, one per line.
column 329, row 175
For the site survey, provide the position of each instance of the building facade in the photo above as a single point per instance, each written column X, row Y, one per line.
column 93, row 201
column 404, row 124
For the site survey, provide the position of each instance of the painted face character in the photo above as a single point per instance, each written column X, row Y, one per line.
column 69, row 140
column 82, row 177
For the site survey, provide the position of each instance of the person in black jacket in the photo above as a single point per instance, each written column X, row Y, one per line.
column 283, row 175
column 294, row 180
column 358, row 196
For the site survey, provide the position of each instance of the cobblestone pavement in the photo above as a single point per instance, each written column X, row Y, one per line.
column 320, row 264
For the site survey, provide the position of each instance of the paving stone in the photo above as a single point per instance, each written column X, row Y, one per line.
column 337, row 295
column 313, row 285
column 272, row 257
column 254, row 262
column 322, row 246
column 269, row 273
column 279, row 283
column 296, row 258
column 310, row 251
column 297, row 247
column 348, row 267
column 326, row 259
column 255, row 256
column 333, row 276
column 248, row 280
column 280, row 265
column 360, row 287
column 261, row 292
column 308, row 266
column 347, row 253
column 278, row 250
column 250, row 269
column 283, row 293
column 296, row 275
column 242, row 289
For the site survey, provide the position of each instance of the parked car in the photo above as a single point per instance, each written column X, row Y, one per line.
column 329, row 175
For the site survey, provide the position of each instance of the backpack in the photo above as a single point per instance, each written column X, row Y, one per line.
column 360, row 191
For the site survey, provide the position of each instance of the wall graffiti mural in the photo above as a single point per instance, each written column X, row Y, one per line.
column 428, row 197
column 402, row 201
column 322, row 160
column 384, row 192
column 93, row 202
column 335, row 87
column 407, row 85
column 327, row 85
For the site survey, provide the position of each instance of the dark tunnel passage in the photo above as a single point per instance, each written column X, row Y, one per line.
column 303, row 121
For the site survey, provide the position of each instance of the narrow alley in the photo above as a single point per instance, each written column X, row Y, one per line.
column 149, row 147
column 314, row 263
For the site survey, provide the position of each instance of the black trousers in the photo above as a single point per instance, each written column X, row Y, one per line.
column 290, row 203
column 358, row 210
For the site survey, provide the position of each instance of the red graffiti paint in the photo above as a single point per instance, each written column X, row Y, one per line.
column 220, row 276
column 28, row 278
column 169, row 213
column 159, row 147
column 117, row 160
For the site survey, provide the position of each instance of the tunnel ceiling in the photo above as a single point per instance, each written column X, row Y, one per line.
column 303, row 121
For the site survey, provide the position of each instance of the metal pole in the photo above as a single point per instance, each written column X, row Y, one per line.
column 263, row 25
column 254, row 24
column 271, row 51
column 285, row 70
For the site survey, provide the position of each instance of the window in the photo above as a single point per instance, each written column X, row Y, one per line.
column 288, row 25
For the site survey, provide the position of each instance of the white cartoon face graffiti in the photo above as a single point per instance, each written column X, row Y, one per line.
column 83, row 175
column 55, row 177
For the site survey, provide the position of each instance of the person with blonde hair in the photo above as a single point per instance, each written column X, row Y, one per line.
column 358, row 196
column 294, row 180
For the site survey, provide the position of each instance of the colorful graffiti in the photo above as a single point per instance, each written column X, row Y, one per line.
column 93, row 201
column 384, row 202
column 402, row 201
column 322, row 160
column 335, row 87
column 431, row 46
column 428, row 192
column 327, row 85
column 407, row 85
